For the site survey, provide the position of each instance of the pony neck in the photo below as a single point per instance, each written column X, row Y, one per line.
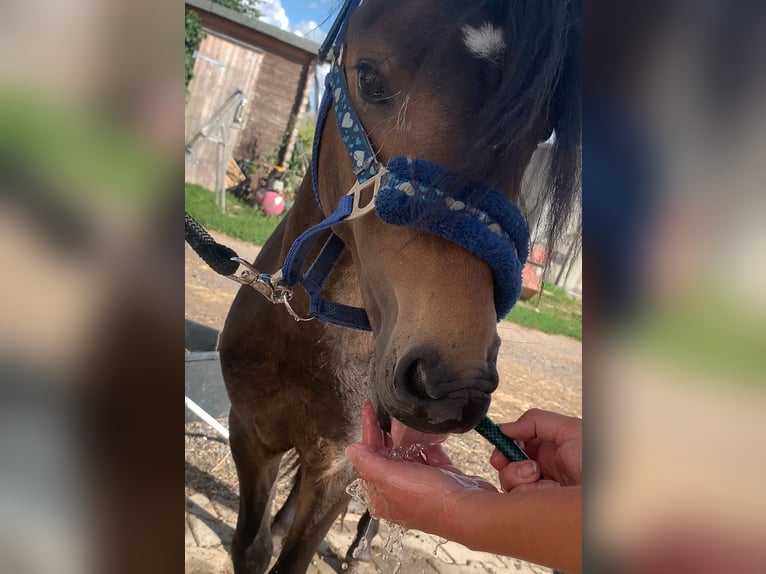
column 304, row 213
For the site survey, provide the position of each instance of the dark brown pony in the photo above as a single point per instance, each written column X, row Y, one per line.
column 474, row 87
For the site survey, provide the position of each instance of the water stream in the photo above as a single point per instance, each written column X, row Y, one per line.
column 393, row 546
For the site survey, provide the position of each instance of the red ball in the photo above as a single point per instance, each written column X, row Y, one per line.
column 272, row 203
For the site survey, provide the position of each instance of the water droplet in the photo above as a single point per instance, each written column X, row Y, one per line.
column 358, row 491
column 362, row 545
column 393, row 546
column 411, row 453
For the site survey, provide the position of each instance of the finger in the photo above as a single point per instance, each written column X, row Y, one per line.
column 372, row 436
column 518, row 473
column 532, row 447
column 498, row 460
column 535, row 423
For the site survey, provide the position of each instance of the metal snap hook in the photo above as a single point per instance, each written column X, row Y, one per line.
column 269, row 286
column 261, row 282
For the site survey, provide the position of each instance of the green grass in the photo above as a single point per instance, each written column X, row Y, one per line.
column 240, row 220
column 555, row 313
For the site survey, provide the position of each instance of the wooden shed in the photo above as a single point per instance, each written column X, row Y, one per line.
column 253, row 80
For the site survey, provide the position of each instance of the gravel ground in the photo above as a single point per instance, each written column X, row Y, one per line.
column 536, row 370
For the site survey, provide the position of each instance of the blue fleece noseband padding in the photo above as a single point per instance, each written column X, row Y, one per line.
column 424, row 195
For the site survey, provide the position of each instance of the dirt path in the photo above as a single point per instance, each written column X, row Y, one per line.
column 536, row 370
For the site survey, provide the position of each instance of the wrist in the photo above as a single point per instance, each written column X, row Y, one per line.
column 462, row 513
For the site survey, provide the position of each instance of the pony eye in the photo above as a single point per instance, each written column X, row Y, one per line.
column 370, row 83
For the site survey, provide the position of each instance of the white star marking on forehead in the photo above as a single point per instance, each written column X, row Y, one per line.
column 486, row 42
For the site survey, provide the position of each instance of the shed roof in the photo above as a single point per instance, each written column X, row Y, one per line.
column 255, row 24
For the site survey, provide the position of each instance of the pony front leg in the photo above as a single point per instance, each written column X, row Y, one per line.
column 284, row 517
column 321, row 499
column 251, row 546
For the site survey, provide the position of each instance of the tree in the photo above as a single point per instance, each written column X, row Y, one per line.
column 248, row 7
column 193, row 37
column 195, row 32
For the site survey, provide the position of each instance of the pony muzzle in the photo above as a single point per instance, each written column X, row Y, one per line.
column 431, row 395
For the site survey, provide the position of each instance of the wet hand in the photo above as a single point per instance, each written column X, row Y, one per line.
column 416, row 491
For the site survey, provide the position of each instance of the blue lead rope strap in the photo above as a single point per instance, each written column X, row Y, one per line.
column 296, row 257
column 314, row 281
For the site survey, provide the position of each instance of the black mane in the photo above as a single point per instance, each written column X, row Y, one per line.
column 540, row 86
column 535, row 91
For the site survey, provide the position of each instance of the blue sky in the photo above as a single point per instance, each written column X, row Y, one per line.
column 309, row 18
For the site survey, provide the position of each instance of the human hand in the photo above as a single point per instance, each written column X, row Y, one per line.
column 554, row 444
column 419, row 492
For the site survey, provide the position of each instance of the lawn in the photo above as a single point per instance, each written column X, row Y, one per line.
column 240, row 220
column 555, row 313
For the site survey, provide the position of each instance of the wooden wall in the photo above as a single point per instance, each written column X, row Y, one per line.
column 274, row 83
column 224, row 68
column 274, row 99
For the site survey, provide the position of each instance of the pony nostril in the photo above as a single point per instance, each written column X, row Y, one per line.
column 415, row 380
column 424, row 376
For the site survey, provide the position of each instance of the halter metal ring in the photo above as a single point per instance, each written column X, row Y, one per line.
column 356, row 192
column 286, row 302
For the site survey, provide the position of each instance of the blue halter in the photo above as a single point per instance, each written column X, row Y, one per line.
column 407, row 191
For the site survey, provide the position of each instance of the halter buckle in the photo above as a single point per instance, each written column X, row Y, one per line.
column 356, row 190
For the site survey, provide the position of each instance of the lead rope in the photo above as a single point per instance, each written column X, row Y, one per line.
column 220, row 258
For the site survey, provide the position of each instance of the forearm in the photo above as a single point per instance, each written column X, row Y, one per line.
column 542, row 526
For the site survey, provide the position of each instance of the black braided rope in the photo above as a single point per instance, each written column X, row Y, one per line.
column 213, row 253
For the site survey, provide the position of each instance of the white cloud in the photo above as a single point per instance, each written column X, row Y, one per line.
column 309, row 29
column 273, row 13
